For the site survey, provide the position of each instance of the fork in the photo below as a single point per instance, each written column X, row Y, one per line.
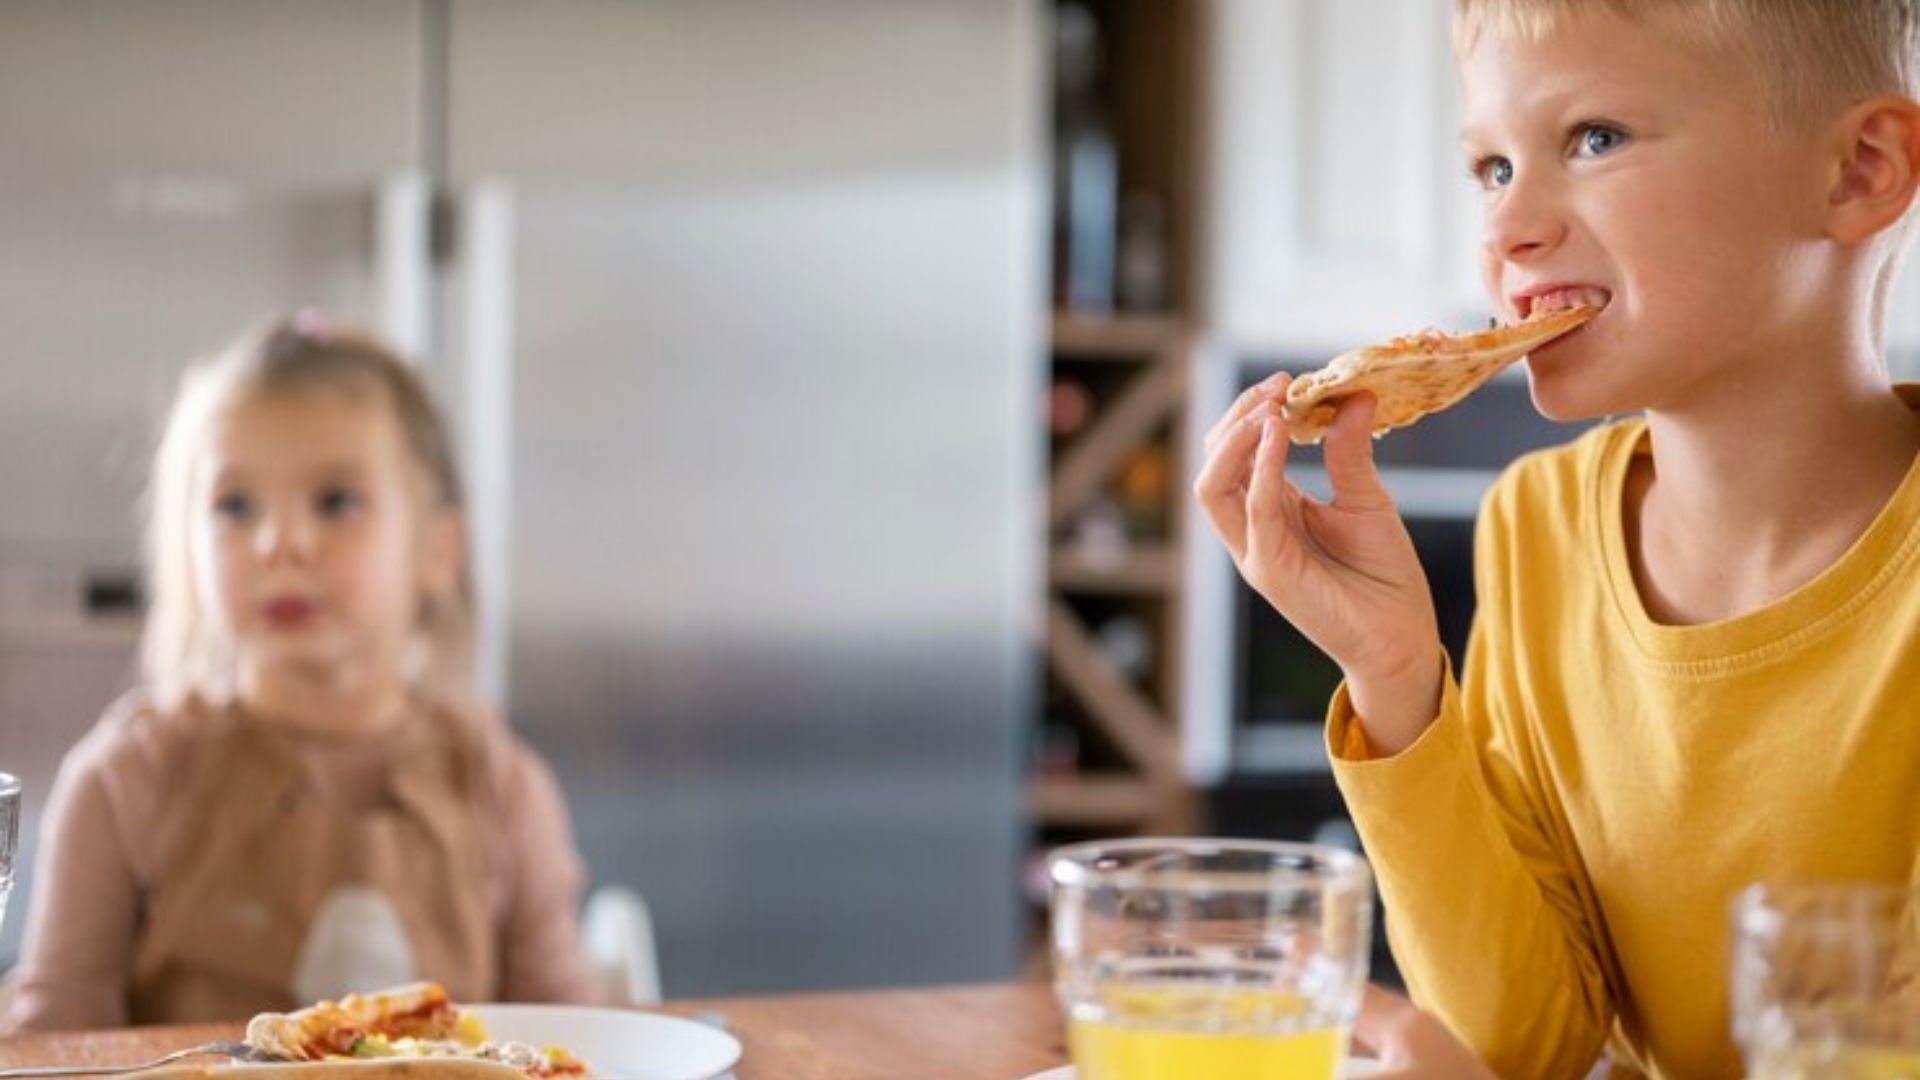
column 236, row 1051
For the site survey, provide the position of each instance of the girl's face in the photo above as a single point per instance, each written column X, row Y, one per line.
column 313, row 545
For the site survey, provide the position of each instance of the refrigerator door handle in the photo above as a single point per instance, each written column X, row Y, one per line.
column 403, row 263
column 484, row 217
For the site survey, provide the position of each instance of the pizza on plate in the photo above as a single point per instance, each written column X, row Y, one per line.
column 415, row 1021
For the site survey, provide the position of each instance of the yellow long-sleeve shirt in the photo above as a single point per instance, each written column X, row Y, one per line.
column 1558, row 852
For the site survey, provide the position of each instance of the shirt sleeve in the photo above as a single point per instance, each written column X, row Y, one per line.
column 541, row 949
column 1352, row 742
column 1494, row 924
column 74, row 969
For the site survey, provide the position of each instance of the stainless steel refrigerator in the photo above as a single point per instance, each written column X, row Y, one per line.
column 737, row 308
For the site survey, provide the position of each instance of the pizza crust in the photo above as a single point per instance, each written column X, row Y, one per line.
column 418, row 1010
column 443, row 1068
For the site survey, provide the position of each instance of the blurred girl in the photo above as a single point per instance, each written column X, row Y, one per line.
column 302, row 798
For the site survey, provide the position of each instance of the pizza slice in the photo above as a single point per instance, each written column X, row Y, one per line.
column 1420, row 374
column 419, row 1020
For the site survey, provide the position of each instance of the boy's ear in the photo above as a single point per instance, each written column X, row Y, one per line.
column 1879, row 168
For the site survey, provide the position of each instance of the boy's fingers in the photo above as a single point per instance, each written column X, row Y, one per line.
column 1221, row 485
column 1349, row 453
column 1271, row 389
column 1267, row 488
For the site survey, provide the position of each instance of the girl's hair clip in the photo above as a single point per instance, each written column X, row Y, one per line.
column 312, row 323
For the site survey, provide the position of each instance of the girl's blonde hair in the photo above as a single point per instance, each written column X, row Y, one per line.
column 181, row 651
column 1816, row 55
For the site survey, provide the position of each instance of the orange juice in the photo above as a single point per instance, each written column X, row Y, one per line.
column 1839, row 1062
column 1203, row 1033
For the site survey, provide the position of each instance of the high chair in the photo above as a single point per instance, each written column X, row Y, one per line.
column 617, row 932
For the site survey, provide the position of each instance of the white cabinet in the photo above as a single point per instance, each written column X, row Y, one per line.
column 1339, row 211
column 1903, row 323
column 1339, row 207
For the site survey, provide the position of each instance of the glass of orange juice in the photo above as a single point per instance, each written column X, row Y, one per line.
column 1825, row 981
column 9, row 836
column 1192, row 959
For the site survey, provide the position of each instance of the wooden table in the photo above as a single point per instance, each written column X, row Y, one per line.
column 1003, row 1031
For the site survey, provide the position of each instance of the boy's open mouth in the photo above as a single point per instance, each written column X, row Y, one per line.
column 1561, row 299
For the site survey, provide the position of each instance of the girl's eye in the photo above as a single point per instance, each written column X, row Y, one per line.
column 337, row 501
column 1493, row 173
column 233, row 506
column 1594, row 140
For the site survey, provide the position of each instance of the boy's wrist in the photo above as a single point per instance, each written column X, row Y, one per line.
column 1395, row 709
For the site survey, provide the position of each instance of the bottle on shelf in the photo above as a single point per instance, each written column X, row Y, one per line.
column 1142, row 258
column 1098, row 534
column 1056, row 749
column 1144, row 490
column 1070, row 406
column 1127, row 644
column 1086, row 168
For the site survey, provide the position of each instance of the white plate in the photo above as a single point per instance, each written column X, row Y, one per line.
column 619, row 1044
column 1354, row 1070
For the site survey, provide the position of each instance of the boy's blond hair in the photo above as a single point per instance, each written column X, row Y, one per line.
column 1819, row 56
column 181, row 652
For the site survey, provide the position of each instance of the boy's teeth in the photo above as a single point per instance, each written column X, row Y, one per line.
column 1564, row 299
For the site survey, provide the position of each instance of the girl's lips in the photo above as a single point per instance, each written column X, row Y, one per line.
column 289, row 612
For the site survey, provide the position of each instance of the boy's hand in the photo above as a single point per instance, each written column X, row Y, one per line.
column 1343, row 573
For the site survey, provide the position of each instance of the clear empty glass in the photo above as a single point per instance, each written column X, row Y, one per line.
column 1209, row 959
column 1825, row 981
column 9, row 837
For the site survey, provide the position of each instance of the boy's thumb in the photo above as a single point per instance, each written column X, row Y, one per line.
column 1349, row 454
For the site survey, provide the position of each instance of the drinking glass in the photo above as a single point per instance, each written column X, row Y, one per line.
column 1188, row 959
column 9, row 837
column 1825, row 981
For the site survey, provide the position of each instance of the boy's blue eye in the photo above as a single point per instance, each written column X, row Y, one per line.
column 1493, row 172
column 333, row 502
column 1598, row 139
column 232, row 506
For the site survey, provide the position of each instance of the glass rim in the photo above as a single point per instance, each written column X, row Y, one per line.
column 1760, row 891
column 1072, row 865
column 1752, row 908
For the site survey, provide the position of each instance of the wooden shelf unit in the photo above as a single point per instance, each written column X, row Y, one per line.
column 1124, row 338
column 1141, row 726
column 1118, row 804
column 1143, row 570
column 1142, row 362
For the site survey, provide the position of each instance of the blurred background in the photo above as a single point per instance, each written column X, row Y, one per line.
column 828, row 375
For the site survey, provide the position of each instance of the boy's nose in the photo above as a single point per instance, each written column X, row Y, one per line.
column 1523, row 225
